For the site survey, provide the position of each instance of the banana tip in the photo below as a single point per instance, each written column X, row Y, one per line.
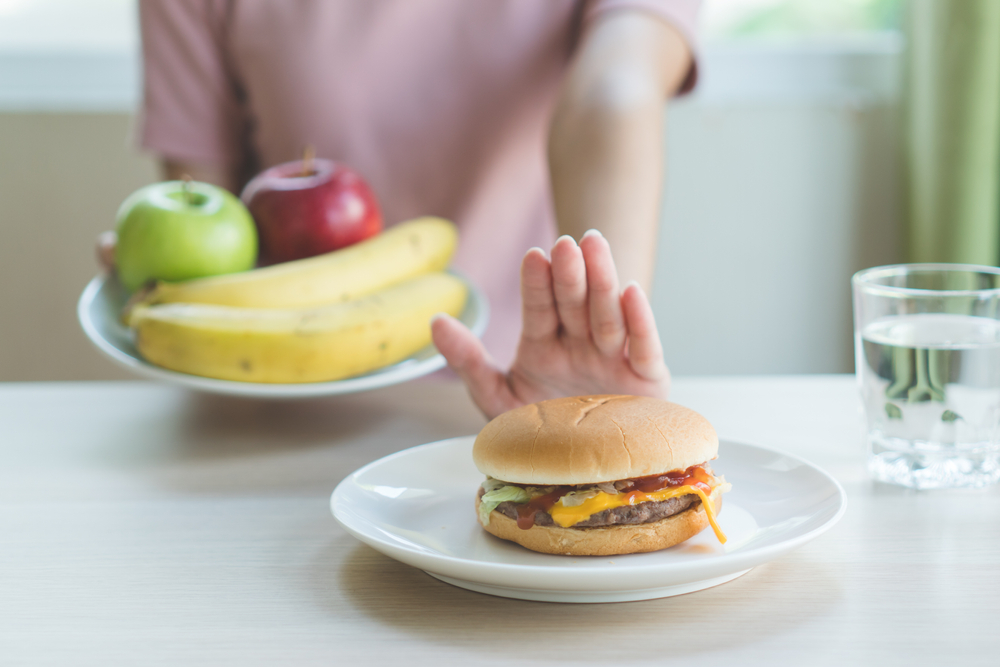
column 141, row 297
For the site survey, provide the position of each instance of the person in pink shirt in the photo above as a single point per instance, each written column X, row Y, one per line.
column 517, row 119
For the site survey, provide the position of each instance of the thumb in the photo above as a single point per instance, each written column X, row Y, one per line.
column 106, row 245
column 467, row 357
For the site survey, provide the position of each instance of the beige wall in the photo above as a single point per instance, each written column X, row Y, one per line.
column 62, row 177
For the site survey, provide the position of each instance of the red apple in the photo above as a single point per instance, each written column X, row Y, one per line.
column 309, row 207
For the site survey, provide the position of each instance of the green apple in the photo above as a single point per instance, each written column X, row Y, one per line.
column 178, row 230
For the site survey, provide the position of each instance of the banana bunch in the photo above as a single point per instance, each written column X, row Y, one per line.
column 409, row 249
column 319, row 319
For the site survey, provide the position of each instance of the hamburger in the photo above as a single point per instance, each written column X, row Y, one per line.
column 598, row 475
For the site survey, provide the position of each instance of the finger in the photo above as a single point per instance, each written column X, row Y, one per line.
column 645, row 353
column 106, row 243
column 607, row 324
column 538, row 305
column 467, row 357
column 569, row 285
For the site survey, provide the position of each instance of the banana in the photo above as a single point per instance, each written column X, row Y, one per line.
column 296, row 345
column 409, row 249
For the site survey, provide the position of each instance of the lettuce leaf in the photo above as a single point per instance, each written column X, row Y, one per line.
column 576, row 498
column 494, row 497
column 492, row 484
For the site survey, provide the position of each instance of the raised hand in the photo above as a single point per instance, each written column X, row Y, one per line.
column 581, row 334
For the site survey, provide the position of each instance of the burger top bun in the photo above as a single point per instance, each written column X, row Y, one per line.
column 593, row 439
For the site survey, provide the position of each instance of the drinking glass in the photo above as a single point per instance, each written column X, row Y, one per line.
column 927, row 356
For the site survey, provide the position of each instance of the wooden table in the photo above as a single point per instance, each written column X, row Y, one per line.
column 144, row 525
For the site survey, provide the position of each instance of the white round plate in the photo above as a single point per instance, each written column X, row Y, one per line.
column 102, row 301
column 417, row 506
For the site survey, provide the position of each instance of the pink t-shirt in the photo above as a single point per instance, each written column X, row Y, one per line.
column 442, row 105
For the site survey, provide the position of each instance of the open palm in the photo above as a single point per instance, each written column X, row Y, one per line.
column 581, row 334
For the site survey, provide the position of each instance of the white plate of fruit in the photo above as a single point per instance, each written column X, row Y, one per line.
column 349, row 320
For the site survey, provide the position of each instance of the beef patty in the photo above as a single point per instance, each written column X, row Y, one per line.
column 626, row 514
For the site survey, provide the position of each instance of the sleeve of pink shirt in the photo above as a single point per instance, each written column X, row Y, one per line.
column 191, row 107
column 681, row 14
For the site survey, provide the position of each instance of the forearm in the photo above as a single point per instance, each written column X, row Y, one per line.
column 606, row 175
column 606, row 138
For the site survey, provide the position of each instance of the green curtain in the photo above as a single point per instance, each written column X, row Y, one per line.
column 952, row 121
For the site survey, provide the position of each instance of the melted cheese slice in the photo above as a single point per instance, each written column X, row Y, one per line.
column 570, row 516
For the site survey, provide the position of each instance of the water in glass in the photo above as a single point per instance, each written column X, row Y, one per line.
column 930, row 384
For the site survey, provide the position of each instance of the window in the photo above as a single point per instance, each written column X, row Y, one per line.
column 724, row 20
column 67, row 25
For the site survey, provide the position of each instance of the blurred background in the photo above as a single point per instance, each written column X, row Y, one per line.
column 784, row 177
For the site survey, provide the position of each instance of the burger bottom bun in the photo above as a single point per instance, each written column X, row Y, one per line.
column 606, row 540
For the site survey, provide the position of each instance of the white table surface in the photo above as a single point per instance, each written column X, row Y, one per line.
column 145, row 525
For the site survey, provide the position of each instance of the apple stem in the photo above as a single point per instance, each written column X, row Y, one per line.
column 186, row 188
column 307, row 160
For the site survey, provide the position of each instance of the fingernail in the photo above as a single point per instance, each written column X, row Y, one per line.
column 635, row 284
column 566, row 236
column 592, row 232
column 537, row 250
column 438, row 316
